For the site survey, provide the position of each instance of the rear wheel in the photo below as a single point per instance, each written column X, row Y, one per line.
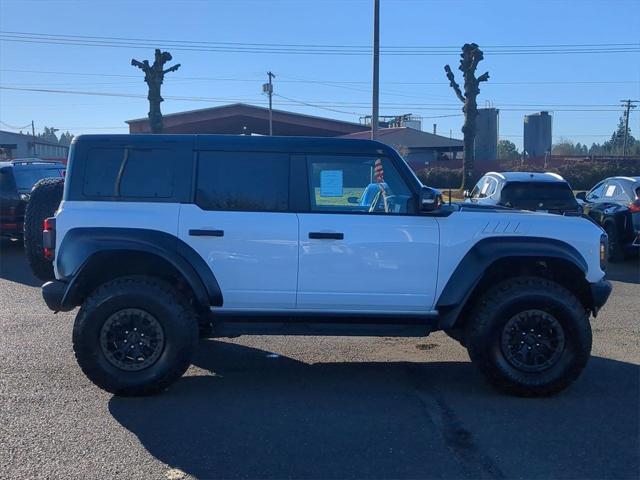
column 134, row 336
column 46, row 196
column 529, row 336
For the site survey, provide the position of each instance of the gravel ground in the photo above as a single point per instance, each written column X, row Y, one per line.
column 312, row 407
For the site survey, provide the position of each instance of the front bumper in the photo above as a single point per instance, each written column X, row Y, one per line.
column 600, row 292
column 54, row 294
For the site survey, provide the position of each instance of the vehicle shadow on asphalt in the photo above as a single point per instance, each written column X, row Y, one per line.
column 13, row 264
column 247, row 413
column 627, row 271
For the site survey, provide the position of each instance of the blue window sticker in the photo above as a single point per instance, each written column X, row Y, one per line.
column 331, row 183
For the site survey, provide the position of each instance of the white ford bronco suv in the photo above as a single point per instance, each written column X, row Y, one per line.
column 161, row 239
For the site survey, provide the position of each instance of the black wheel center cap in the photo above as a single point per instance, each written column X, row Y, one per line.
column 532, row 341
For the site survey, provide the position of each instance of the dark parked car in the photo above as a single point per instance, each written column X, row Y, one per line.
column 540, row 192
column 17, row 177
column 614, row 204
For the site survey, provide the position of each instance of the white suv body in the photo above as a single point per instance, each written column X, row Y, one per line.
column 264, row 229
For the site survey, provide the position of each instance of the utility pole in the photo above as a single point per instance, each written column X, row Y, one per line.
column 376, row 69
column 628, row 105
column 33, row 133
column 268, row 89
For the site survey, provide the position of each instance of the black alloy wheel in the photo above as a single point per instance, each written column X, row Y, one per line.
column 132, row 339
column 532, row 341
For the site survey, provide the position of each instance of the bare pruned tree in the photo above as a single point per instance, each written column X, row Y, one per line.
column 470, row 57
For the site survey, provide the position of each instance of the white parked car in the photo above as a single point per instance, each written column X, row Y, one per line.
column 161, row 237
column 540, row 192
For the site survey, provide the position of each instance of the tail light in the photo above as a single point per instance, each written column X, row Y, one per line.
column 49, row 237
column 634, row 207
column 604, row 251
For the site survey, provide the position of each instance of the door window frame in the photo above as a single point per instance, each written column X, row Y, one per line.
column 301, row 182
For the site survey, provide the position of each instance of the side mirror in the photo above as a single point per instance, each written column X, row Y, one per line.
column 581, row 196
column 430, row 199
column 353, row 200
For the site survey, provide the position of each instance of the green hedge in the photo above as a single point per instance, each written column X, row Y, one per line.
column 581, row 176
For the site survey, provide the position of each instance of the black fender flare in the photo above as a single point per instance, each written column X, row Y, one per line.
column 482, row 255
column 81, row 246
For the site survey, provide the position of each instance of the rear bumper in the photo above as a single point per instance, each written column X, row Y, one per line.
column 600, row 292
column 54, row 294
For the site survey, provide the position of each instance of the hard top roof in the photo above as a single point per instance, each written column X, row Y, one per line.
column 239, row 142
column 529, row 177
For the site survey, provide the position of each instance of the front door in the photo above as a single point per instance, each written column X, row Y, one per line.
column 241, row 226
column 363, row 254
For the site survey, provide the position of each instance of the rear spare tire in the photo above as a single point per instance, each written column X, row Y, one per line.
column 134, row 336
column 529, row 336
column 46, row 196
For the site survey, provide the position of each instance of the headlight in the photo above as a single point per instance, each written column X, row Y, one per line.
column 604, row 251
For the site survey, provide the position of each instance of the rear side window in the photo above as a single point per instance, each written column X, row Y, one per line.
column 130, row 173
column 533, row 195
column 243, row 181
column 26, row 177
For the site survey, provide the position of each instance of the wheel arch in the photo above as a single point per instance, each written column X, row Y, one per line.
column 89, row 257
column 494, row 259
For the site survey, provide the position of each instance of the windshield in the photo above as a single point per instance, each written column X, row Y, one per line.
column 538, row 195
column 26, row 178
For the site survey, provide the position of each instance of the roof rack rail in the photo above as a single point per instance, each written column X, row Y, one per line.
column 33, row 160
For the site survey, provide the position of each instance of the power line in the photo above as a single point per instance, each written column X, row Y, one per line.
column 329, row 82
column 304, row 49
column 329, row 104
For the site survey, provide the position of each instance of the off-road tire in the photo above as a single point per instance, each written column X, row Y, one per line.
column 46, row 196
column 159, row 299
column 616, row 253
column 501, row 303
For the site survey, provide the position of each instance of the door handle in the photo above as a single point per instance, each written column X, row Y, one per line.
column 206, row 233
column 327, row 235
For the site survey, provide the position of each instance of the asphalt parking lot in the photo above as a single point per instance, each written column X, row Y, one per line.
column 276, row 407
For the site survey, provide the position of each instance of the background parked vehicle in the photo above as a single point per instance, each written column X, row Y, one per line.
column 540, row 192
column 614, row 204
column 17, row 178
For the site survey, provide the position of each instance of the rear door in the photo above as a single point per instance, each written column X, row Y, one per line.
column 241, row 226
column 354, row 258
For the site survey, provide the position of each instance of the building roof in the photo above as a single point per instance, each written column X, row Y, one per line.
column 29, row 138
column 410, row 138
column 241, row 118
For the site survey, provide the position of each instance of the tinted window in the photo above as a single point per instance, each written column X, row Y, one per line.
column 596, row 192
column 245, row 181
column 7, row 182
column 538, row 195
column 485, row 187
column 148, row 173
column 133, row 173
column 356, row 184
column 27, row 177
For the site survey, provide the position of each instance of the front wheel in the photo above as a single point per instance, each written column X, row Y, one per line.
column 134, row 336
column 529, row 336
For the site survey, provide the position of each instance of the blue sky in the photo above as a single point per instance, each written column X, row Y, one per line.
column 519, row 83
